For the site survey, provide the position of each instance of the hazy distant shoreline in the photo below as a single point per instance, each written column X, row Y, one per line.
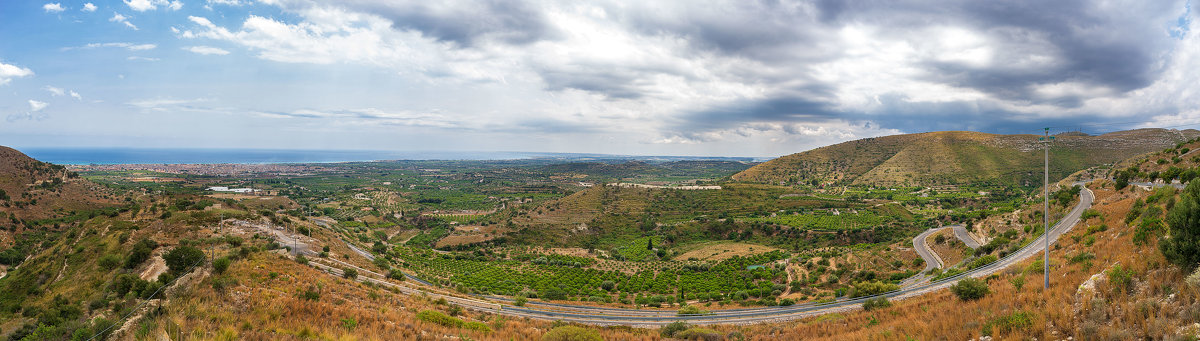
column 117, row 156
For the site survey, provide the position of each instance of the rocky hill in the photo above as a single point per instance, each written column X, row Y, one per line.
column 31, row 189
column 950, row 157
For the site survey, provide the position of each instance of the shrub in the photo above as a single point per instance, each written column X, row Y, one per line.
column 349, row 273
column 301, row 259
column 311, row 294
column 607, row 285
column 700, row 334
column 140, row 253
column 349, row 323
column 1183, row 246
column 1017, row 282
column 221, row 264
column 1007, row 323
column 182, row 258
column 396, row 275
column 1120, row 279
column 1193, row 280
column 477, row 326
column 571, row 333
column 690, row 310
column 968, row 289
column 109, row 262
column 520, row 301
column 219, row 283
column 674, row 327
column 150, row 290
column 439, row 318
column 876, row 303
column 861, row 289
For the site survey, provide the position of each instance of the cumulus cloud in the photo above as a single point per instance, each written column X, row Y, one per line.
column 35, row 112
column 124, row 45
column 9, row 71
column 88, row 7
column 206, row 50
column 117, row 17
column 776, row 75
column 55, row 91
column 75, row 95
column 36, row 106
column 53, row 7
column 148, row 5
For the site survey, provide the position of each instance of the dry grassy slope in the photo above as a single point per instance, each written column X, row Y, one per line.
column 954, row 156
column 20, row 177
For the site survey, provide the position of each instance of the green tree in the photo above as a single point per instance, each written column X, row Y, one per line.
column 1182, row 247
column 181, row 258
column 221, row 264
column 141, row 252
column 671, row 329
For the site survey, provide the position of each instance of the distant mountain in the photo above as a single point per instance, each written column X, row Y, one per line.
column 950, row 157
column 621, row 169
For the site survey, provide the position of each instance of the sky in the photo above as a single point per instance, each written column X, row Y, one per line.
column 712, row 78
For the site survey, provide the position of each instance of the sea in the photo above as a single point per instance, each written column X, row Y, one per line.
column 112, row 156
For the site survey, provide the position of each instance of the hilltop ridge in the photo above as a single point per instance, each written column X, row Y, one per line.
column 949, row 157
column 31, row 189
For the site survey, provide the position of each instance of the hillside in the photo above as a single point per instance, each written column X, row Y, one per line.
column 1111, row 281
column 952, row 157
column 31, row 189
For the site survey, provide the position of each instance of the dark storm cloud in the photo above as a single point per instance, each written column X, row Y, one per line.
column 612, row 83
column 793, row 108
column 512, row 22
column 1115, row 49
column 758, row 29
column 1119, row 49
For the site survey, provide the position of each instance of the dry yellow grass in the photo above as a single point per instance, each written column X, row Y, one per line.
column 263, row 306
column 721, row 250
column 1156, row 308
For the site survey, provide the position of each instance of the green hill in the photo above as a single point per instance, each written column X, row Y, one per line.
column 952, row 157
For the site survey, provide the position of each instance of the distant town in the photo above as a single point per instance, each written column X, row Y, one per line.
column 222, row 169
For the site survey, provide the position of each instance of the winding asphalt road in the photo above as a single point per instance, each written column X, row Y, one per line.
column 653, row 318
column 932, row 260
column 960, row 231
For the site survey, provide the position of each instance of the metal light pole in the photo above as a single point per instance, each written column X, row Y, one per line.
column 1046, row 213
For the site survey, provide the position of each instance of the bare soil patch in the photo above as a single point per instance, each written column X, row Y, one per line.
column 719, row 251
column 952, row 251
column 470, row 234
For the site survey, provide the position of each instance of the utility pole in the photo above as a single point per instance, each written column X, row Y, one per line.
column 1046, row 213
